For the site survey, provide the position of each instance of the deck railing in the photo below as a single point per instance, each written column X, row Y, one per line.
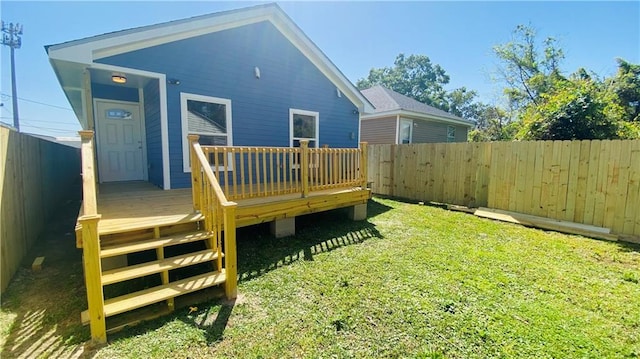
column 89, row 219
column 219, row 214
column 250, row 172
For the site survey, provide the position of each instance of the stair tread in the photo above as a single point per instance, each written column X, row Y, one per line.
column 125, row 248
column 157, row 266
column 157, row 294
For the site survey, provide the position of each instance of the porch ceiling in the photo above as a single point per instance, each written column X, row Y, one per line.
column 70, row 76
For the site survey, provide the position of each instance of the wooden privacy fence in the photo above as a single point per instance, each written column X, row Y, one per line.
column 591, row 182
column 35, row 176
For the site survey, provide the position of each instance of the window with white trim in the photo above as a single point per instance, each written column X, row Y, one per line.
column 304, row 125
column 451, row 134
column 209, row 117
column 406, row 131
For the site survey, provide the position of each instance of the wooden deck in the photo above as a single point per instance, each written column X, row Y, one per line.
column 130, row 206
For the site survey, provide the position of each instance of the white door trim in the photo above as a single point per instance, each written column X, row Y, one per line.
column 164, row 117
column 143, row 133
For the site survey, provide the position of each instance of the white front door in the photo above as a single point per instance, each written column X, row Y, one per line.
column 120, row 146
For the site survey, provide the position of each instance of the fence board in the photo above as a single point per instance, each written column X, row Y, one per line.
column 591, row 182
column 35, row 176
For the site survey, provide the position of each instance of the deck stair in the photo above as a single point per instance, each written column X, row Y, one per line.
column 188, row 254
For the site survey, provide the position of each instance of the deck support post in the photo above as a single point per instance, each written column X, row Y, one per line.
column 283, row 227
column 93, row 275
column 304, row 167
column 230, row 258
column 363, row 165
column 196, row 186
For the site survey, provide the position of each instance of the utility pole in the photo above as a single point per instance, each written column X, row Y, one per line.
column 11, row 37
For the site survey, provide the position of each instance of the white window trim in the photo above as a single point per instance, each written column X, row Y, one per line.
column 451, row 139
column 184, row 96
column 400, row 123
column 293, row 111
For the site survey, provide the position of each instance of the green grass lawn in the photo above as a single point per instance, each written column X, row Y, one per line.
column 411, row 281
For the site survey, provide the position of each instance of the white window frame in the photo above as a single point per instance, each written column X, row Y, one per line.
column 410, row 123
column 184, row 97
column 294, row 111
column 451, row 138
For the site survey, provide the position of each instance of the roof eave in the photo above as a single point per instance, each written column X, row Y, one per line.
column 418, row 115
column 87, row 50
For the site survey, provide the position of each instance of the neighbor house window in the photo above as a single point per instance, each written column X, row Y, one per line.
column 304, row 125
column 209, row 117
column 451, row 134
column 406, row 131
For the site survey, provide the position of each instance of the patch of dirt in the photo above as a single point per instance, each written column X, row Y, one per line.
column 41, row 309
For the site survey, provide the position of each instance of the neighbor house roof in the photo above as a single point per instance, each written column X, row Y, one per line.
column 389, row 102
column 199, row 123
column 87, row 50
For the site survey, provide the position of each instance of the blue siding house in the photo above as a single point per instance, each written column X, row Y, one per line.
column 246, row 77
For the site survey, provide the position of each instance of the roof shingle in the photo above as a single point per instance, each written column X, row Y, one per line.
column 384, row 99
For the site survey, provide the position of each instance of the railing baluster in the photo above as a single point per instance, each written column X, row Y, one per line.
column 234, row 172
column 264, row 171
column 250, row 168
column 278, row 169
column 242, row 179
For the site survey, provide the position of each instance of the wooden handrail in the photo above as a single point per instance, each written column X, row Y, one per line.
column 91, row 241
column 219, row 214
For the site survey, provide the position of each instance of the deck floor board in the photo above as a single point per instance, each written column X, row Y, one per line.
column 137, row 205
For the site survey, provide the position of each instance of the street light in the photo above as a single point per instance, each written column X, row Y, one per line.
column 11, row 37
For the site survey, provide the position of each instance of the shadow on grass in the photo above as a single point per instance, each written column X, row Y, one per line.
column 41, row 310
column 259, row 252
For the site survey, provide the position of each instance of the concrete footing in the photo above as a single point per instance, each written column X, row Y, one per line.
column 283, row 227
column 358, row 212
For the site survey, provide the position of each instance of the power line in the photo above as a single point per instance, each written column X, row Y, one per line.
column 40, row 103
column 51, row 129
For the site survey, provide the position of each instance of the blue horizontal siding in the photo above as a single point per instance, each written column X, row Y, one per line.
column 153, row 133
column 222, row 65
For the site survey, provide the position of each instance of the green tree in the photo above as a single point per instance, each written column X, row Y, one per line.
column 527, row 72
column 626, row 85
column 414, row 76
column 577, row 109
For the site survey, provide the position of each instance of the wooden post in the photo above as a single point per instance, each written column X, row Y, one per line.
column 88, row 108
column 304, row 166
column 230, row 260
column 89, row 190
column 363, row 164
column 93, row 275
column 196, row 186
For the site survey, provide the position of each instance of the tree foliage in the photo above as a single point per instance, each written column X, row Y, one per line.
column 549, row 106
column 542, row 103
column 414, row 76
column 527, row 72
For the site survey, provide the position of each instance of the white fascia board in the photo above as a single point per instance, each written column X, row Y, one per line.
column 417, row 115
column 320, row 60
column 86, row 51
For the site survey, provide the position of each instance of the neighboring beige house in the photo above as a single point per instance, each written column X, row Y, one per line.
column 400, row 119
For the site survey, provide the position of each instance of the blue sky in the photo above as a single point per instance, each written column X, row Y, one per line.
column 356, row 36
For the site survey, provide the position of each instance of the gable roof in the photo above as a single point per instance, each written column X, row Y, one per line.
column 86, row 50
column 389, row 102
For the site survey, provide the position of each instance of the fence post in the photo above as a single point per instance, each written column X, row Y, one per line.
column 363, row 164
column 196, row 186
column 304, row 166
column 230, row 260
